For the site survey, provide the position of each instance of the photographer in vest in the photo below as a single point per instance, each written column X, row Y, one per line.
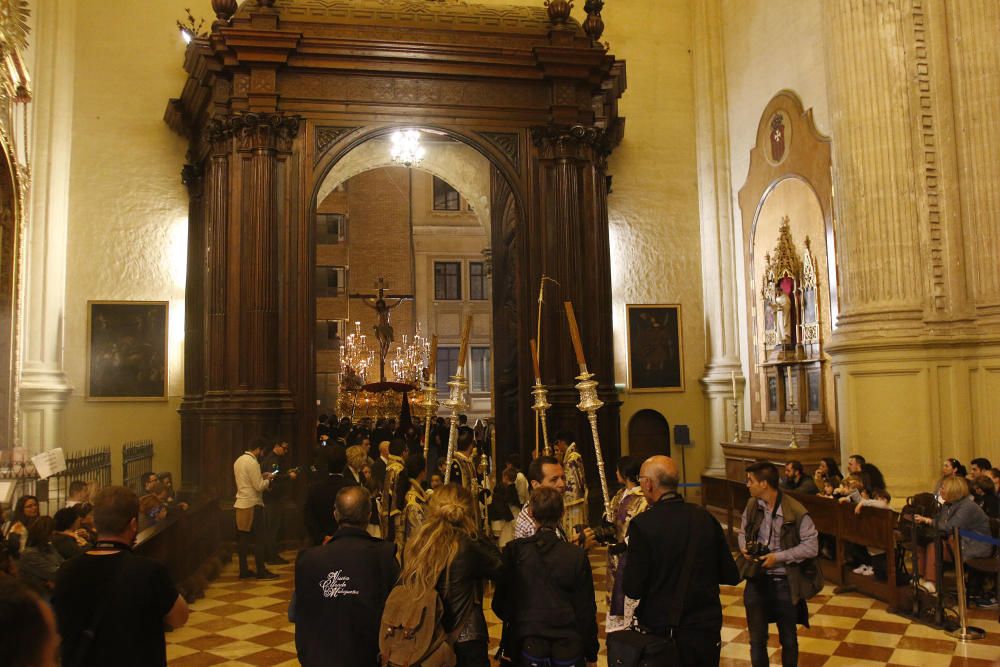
column 778, row 545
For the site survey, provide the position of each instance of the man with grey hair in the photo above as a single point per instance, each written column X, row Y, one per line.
column 677, row 557
column 341, row 587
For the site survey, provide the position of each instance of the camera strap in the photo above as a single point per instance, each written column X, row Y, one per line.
column 774, row 515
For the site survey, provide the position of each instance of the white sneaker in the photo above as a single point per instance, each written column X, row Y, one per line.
column 860, row 569
column 928, row 586
column 869, row 571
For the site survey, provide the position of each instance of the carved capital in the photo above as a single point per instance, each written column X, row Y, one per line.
column 191, row 176
column 577, row 142
column 253, row 131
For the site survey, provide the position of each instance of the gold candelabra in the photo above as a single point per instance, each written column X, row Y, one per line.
column 429, row 403
column 737, row 434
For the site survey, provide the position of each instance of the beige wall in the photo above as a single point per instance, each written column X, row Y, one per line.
column 128, row 208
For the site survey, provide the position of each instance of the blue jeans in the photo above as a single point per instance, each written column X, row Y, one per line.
column 769, row 598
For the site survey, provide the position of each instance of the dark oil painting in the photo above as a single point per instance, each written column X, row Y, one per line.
column 655, row 354
column 128, row 350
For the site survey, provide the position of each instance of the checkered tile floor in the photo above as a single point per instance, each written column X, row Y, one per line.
column 245, row 623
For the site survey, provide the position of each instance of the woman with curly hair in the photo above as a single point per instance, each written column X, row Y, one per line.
column 447, row 553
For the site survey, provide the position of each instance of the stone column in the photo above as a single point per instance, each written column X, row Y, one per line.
column 719, row 248
column 44, row 387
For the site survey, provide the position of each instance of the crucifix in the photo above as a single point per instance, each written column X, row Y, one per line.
column 383, row 330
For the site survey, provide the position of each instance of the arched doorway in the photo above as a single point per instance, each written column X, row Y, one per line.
column 648, row 434
column 278, row 95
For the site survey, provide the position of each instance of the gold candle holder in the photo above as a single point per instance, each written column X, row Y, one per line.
column 540, row 406
column 429, row 404
column 737, row 435
column 590, row 404
column 456, row 403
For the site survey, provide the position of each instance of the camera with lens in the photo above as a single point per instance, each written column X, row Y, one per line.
column 605, row 534
column 757, row 550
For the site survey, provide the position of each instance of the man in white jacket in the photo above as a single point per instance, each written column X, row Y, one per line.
column 249, row 506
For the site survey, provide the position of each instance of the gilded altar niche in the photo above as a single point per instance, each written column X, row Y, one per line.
column 789, row 255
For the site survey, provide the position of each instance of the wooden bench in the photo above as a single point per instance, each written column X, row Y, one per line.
column 874, row 528
column 189, row 544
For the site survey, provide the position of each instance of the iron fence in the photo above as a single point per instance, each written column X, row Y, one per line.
column 137, row 459
column 92, row 466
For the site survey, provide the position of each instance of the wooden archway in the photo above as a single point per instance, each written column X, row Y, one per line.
column 280, row 90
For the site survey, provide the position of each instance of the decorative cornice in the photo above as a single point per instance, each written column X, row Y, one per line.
column 270, row 131
column 555, row 141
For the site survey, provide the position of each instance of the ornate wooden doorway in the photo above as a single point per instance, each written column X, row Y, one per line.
column 278, row 92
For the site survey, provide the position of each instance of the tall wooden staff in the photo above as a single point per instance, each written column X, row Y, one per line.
column 456, row 401
column 589, row 402
column 429, row 402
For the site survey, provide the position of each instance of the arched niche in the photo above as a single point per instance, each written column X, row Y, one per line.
column 788, row 245
column 277, row 96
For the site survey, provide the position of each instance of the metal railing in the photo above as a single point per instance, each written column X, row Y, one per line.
column 92, row 466
column 137, row 459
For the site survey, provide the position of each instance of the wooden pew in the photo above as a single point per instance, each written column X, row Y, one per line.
column 189, row 544
column 874, row 527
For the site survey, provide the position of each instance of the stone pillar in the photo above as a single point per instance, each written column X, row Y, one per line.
column 43, row 386
column 914, row 108
column 719, row 250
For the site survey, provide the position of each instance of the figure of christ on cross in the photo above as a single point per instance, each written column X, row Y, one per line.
column 383, row 330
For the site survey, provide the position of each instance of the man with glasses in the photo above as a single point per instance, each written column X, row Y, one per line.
column 274, row 499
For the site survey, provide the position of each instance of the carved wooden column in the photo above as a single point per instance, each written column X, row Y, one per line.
column 260, row 138
column 569, row 242
column 217, row 230
column 194, row 327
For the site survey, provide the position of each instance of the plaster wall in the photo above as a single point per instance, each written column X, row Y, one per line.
column 127, row 232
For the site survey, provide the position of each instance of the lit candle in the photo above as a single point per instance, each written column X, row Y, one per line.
column 574, row 334
column 534, row 361
column 732, row 376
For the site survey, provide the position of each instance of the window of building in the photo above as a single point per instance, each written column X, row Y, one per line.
column 478, row 289
column 331, row 228
column 331, row 280
column 330, row 334
column 447, row 364
column 447, row 281
column 446, row 198
column 480, row 375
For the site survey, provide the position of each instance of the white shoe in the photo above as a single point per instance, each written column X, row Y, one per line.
column 928, row 586
column 860, row 569
column 869, row 571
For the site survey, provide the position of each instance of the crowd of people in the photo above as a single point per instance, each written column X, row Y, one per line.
column 400, row 559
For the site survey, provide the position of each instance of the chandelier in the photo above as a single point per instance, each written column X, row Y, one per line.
column 406, row 149
column 410, row 359
column 356, row 356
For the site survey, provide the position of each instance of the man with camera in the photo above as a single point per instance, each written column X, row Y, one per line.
column 778, row 545
column 677, row 556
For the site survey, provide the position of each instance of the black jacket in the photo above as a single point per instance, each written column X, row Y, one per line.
column 318, row 510
column 281, row 483
column 806, row 485
column 547, row 590
column 656, row 547
column 461, row 588
column 340, row 592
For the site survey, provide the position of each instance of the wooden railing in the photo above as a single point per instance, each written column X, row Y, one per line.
column 873, row 527
column 189, row 543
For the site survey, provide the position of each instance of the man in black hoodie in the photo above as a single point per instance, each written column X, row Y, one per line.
column 546, row 593
column 658, row 542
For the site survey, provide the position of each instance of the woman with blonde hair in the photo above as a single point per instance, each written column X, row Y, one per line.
column 448, row 553
column 959, row 511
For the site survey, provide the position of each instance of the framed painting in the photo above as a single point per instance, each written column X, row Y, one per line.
column 127, row 350
column 655, row 347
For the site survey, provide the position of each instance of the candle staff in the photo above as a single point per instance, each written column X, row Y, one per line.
column 456, row 401
column 589, row 403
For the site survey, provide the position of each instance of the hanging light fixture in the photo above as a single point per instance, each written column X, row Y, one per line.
column 406, row 149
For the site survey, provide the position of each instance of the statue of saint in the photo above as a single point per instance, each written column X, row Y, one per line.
column 781, row 305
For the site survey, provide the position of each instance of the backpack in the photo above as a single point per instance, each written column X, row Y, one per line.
column 411, row 634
